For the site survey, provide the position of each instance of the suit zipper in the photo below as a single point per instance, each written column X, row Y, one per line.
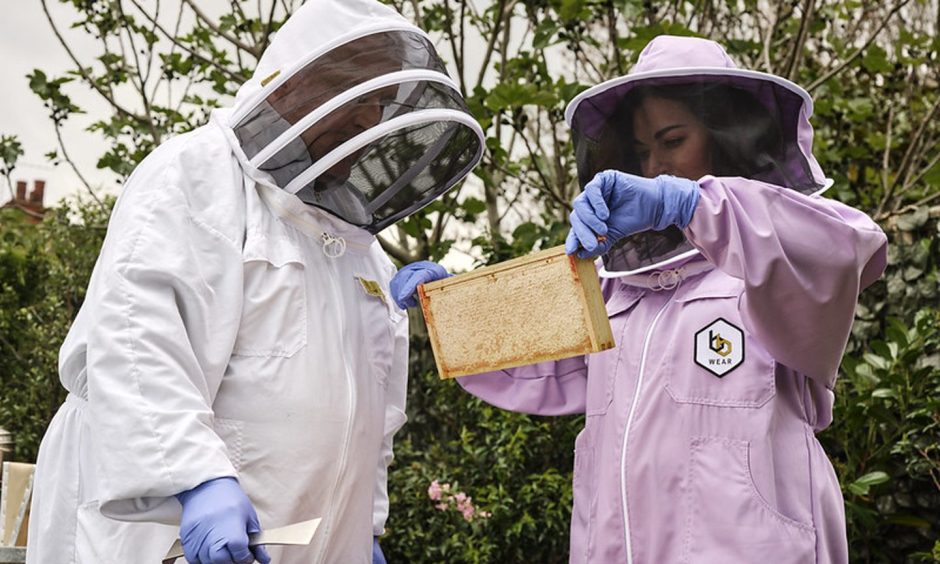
column 337, row 298
column 626, row 432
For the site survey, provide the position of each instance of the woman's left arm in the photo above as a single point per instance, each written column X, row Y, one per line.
column 803, row 259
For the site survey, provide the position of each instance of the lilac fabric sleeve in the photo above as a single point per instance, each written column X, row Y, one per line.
column 803, row 260
column 546, row 388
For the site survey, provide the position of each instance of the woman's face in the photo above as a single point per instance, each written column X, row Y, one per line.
column 669, row 139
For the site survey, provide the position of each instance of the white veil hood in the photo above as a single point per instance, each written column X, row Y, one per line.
column 351, row 109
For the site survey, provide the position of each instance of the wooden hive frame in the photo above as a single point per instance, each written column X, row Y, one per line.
column 540, row 307
column 15, row 496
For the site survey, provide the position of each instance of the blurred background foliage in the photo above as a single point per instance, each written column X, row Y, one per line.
column 872, row 68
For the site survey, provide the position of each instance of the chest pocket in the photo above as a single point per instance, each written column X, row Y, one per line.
column 379, row 319
column 274, row 310
column 712, row 359
column 603, row 366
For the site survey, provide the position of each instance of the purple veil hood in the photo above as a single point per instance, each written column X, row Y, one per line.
column 672, row 58
column 673, row 61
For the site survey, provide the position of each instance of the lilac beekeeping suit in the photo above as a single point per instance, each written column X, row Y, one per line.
column 699, row 444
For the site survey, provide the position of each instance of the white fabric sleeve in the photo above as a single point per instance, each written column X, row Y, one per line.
column 165, row 304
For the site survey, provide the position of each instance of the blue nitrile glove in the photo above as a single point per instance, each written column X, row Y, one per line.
column 217, row 519
column 377, row 556
column 616, row 204
column 405, row 283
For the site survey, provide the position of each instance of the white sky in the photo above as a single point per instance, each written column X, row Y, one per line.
column 27, row 43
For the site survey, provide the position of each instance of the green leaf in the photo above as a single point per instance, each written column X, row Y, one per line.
column 876, row 60
column 474, row 206
column 873, row 478
column 913, row 220
column 515, row 95
column 573, row 9
column 862, row 485
column 526, row 229
column 860, row 108
column 910, row 521
column 10, row 151
column 878, row 362
column 932, row 176
column 864, row 370
column 545, row 34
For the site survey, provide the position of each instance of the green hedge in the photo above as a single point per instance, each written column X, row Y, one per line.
column 516, row 469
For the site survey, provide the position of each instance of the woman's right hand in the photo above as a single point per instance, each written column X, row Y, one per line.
column 404, row 284
column 617, row 204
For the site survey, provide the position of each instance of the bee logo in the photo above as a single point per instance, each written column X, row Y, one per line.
column 719, row 347
column 722, row 347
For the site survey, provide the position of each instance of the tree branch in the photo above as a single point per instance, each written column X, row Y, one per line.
column 491, row 198
column 397, row 253
column 150, row 50
column 3, row 340
column 491, row 43
column 237, row 7
column 797, row 54
column 81, row 70
column 449, row 202
column 215, row 28
column 916, row 179
column 821, row 80
column 233, row 76
column 10, row 185
column 768, row 39
column 173, row 46
column 547, row 185
column 612, row 36
column 266, row 40
column 451, row 38
column 916, row 138
column 886, row 159
column 889, row 221
column 511, row 203
column 68, row 159
column 141, row 79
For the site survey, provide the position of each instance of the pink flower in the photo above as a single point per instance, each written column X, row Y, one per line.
column 434, row 491
column 468, row 513
column 459, row 501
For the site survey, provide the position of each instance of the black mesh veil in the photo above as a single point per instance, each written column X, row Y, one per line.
column 753, row 128
column 370, row 131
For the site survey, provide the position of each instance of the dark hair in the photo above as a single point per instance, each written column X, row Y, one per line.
column 753, row 128
column 746, row 139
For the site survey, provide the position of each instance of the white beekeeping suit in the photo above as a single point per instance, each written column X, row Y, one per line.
column 237, row 322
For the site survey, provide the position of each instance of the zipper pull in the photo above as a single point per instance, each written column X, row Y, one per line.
column 333, row 246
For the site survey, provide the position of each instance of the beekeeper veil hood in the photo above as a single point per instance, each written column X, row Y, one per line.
column 757, row 126
column 351, row 109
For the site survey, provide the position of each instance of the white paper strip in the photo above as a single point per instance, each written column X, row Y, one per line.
column 296, row 534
